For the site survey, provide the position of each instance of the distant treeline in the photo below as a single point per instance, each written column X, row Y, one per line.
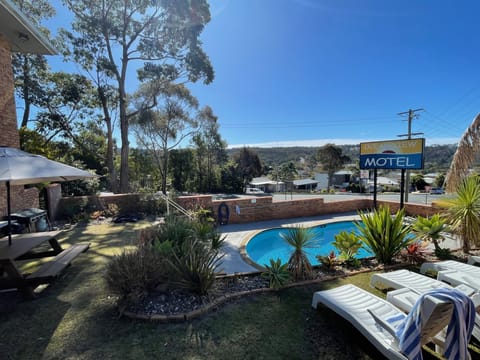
column 437, row 157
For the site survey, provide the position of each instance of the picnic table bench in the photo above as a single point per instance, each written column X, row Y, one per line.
column 22, row 248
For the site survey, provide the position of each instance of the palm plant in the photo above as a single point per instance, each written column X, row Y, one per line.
column 430, row 229
column 463, row 211
column 299, row 238
column 385, row 235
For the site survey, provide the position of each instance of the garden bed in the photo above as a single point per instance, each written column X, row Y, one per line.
column 181, row 305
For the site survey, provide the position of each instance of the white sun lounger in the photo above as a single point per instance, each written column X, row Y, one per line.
column 417, row 283
column 405, row 279
column 459, row 278
column 450, row 265
column 473, row 259
column 370, row 314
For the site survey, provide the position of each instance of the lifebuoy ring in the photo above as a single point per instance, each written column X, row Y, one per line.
column 223, row 214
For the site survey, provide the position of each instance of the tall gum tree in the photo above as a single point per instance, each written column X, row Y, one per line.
column 161, row 36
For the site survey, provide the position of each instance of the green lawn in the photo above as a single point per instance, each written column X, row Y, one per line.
column 75, row 318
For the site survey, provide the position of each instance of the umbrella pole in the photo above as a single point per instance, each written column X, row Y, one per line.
column 9, row 211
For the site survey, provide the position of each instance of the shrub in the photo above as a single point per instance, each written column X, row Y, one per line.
column 194, row 266
column 133, row 273
column 299, row 238
column 385, row 235
column 430, row 229
column 329, row 261
column 348, row 243
column 414, row 253
column 276, row 273
column 443, row 253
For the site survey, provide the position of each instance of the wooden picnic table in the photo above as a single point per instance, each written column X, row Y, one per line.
column 23, row 247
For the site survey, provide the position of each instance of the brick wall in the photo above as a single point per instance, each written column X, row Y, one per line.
column 242, row 210
column 20, row 198
column 8, row 116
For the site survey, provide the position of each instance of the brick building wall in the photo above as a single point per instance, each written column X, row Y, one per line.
column 20, row 198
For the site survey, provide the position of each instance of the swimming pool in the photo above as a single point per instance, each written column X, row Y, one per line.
column 269, row 244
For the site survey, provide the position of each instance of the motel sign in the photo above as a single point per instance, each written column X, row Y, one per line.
column 393, row 154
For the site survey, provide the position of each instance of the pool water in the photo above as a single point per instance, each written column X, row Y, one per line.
column 269, row 244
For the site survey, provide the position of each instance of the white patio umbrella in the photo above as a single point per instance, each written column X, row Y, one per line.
column 20, row 168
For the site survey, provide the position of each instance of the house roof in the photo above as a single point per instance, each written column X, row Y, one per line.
column 381, row 180
column 302, row 182
column 264, row 181
column 22, row 35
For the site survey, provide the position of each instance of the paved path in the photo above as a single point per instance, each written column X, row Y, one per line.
column 236, row 234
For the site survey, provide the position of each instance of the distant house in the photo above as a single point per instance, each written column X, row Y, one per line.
column 267, row 184
column 305, row 184
column 340, row 179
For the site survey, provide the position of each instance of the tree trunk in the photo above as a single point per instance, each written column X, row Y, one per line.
column 124, row 184
column 109, row 157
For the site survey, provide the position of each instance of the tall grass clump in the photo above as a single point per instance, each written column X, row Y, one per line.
column 132, row 274
column 385, row 235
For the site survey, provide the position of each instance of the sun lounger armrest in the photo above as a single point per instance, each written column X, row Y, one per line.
column 384, row 324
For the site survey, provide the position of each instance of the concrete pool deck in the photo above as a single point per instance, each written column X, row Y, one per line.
column 237, row 234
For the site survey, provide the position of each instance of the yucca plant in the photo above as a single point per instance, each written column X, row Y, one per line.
column 463, row 211
column 385, row 235
column 430, row 229
column 276, row 273
column 300, row 238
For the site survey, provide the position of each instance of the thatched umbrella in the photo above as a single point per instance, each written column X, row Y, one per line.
column 464, row 157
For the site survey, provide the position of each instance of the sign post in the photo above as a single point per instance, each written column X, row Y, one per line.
column 392, row 155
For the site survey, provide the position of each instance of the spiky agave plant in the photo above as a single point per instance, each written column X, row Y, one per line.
column 300, row 238
column 385, row 235
column 463, row 211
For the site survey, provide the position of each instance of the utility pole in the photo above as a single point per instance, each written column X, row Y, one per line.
column 411, row 115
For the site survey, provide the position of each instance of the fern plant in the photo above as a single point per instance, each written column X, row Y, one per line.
column 276, row 273
column 385, row 235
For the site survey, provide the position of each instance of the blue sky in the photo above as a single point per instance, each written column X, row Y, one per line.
column 307, row 72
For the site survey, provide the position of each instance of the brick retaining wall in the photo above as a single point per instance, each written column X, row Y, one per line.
column 241, row 210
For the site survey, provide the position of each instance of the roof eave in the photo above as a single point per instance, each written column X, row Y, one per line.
column 22, row 35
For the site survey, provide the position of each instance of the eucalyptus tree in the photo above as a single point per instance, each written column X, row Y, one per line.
column 161, row 37
column 68, row 101
column 248, row 164
column 31, row 70
column 165, row 118
column 209, row 150
column 90, row 54
column 332, row 159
